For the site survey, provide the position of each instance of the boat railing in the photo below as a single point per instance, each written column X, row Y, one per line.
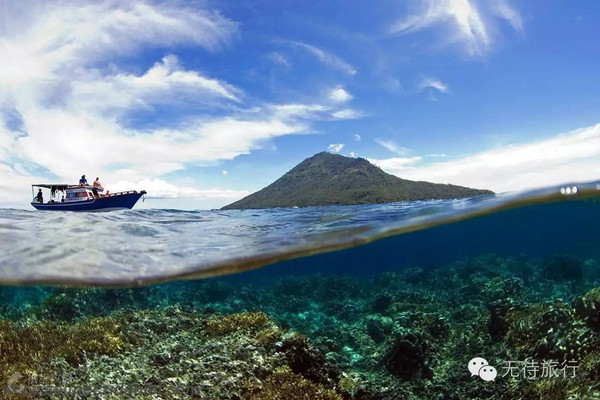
column 120, row 193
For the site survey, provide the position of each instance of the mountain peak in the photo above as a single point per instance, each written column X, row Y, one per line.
column 333, row 179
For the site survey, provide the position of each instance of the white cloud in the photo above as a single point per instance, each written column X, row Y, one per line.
column 161, row 189
column 394, row 164
column 502, row 9
column 164, row 83
column 326, row 58
column 339, row 95
column 44, row 40
column 74, row 109
column 435, row 155
column 568, row 157
column 352, row 154
column 432, row 83
column 347, row 113
column 224, row 172
column 298, row 110
column 98, row 144
column 393, row 147
column 356, row 137
column 280, row 59
column 464, row 20
column 13, row 184
column 335, row 148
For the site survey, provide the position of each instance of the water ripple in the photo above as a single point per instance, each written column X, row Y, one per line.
column 140, row 246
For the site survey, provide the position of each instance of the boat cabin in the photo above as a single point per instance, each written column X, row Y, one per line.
column 63, row 193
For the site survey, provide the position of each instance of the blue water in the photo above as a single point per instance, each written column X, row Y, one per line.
column 137, row 247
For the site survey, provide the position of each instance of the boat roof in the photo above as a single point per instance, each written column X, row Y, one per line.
column 58, row 186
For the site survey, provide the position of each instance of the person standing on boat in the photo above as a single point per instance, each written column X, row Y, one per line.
column 97, row 185
column 40, row 197
column 83, row 181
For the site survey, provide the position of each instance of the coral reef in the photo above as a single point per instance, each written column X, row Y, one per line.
column 396, row 335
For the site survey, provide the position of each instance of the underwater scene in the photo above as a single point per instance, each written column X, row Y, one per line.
column 486, row 298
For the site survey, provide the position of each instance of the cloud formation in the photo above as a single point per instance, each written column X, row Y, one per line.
column 161, row 189
column 44, row 40
column 393, row 147
column 347, row 113
column 467, row 22
column 503, row 10
column 335, row 148
column 64, row 108
column 166, row 82
column 432, row 83
column 280, row 59
column 568, row 157
column 394, row 165
column 339, row 95
column 326, row 57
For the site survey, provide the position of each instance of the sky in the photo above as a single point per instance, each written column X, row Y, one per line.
column 203, row 102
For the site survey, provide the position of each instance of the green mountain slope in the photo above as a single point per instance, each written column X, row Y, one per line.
column 329, row 179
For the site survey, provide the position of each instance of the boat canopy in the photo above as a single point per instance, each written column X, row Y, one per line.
column 62, row 186
column 51, row 186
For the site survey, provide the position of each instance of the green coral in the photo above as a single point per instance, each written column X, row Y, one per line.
column 269, row 337
column 550, row 331
column 588, row 308
column 284, row 384
column 23, row 348
column 244, row 322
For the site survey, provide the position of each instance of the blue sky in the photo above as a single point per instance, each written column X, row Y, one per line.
column 203, row 102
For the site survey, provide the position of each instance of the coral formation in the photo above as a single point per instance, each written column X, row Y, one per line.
column 407, row 357
column 283, row 384
column 24, row 348
column 587, row 307
column 305, row 360
column 246, row 322
column 407, row 334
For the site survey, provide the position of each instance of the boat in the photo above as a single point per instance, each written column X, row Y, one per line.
column 64, row 197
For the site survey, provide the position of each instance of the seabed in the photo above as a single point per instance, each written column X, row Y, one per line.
column 407, row 335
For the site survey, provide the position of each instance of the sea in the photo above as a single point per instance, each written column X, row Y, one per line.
column 492, row 297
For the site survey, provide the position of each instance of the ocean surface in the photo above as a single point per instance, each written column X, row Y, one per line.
column 346, row 302
column 134, row 247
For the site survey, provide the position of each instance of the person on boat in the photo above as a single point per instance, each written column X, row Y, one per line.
column 97, row 185
column 40, row 197
column 83, row 181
